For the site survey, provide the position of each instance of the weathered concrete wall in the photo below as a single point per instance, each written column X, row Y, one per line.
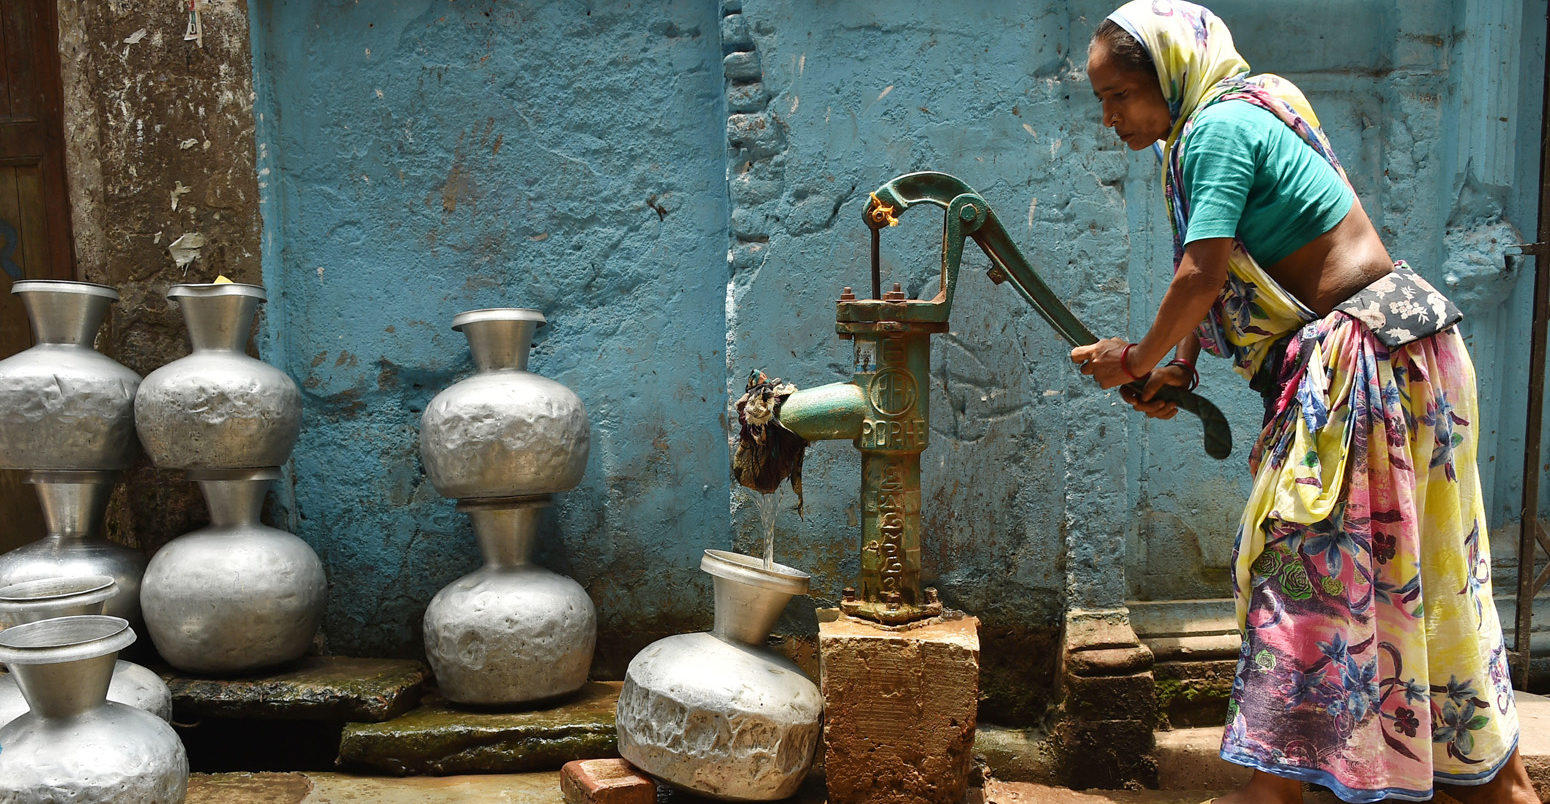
column 159, row 135
column 417, row 159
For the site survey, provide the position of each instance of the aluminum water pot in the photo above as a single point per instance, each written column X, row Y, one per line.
column 218, row 408
column 510, row 632
column 73, row 506
column 75, row 745
column 717, row 713
column 505, row 431
column 29, row 602
column 66, row 405
column 236, row 595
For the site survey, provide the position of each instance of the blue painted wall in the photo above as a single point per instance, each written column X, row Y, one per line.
column 679, row 188
column 422, row 158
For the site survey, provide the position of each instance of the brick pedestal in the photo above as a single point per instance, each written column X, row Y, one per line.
column 900, row 709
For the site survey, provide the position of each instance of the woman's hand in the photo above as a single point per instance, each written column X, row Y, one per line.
column 1171, row 374
column 1103, row 361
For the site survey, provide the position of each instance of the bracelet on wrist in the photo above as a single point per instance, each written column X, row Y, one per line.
column 1124, row 362
column 1194, row 374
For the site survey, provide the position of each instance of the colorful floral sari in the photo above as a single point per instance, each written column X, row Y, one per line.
column 1372, row 659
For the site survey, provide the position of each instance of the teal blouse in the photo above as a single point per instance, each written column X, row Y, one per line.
column 1248, row 175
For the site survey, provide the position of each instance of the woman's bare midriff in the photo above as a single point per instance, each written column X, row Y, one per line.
column 1333, row 266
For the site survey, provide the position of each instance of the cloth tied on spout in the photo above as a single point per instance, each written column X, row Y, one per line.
column 767, row 453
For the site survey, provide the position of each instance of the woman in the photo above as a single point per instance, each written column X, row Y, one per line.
column 1372, row 659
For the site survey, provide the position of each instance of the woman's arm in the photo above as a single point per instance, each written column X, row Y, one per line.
column 1194, row 288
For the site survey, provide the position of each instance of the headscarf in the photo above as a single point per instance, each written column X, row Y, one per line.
column 1198, row 66
column 1191, row 47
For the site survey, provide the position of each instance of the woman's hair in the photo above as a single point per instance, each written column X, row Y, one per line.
column 1128, row 53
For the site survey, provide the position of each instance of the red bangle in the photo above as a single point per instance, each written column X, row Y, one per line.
column 1194, row 374
column 1124, row 362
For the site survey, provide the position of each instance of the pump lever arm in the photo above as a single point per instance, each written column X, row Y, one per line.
column 969, row 215
column 1008, row 265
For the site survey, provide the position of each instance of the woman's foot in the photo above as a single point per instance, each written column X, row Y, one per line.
column 1265, row 788
column 1510, row 786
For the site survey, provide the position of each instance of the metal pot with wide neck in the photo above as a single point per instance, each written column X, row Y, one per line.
column 73, row 504
column 217, row 408
column 46, row 599
column 67, row 406
column 717, row 713
column 505, row 431
column 75, row 745
column 236, row 595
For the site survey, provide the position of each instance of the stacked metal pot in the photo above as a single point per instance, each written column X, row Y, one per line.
column 237, row 595
column 69, row 424
column 502, row 442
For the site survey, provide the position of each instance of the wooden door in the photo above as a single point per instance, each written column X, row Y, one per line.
column 34, row 205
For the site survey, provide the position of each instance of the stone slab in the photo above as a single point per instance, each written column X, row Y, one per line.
column 248, row 788
column 605, row 781
column 331, row 688
column 1189, row 759
column 900, row 709
column 440, row 739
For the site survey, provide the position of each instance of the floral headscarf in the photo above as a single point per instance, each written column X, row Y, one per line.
column 1191, row 47
column 1198, row 66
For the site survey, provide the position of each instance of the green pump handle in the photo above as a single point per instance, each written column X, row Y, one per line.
column 968, row 215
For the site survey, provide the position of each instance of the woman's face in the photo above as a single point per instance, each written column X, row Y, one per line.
column 1133, row 103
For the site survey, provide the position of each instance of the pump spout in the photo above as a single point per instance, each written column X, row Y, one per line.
column 825, row 413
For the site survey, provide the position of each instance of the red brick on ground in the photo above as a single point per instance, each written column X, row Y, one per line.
column 605, row 781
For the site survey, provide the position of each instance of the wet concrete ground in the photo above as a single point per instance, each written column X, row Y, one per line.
column 544, row 788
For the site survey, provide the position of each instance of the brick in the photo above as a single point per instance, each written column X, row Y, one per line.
column 1109, row 661
column 755, row 136
column 900, row 710
column 749, row 97
column 1130, row 697
column 741, row 66
column 734, row 33
column 605, row 781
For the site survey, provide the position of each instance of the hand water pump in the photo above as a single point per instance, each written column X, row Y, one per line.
column 883, row 408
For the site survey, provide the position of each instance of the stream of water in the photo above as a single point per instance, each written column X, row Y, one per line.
column 769, row 505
